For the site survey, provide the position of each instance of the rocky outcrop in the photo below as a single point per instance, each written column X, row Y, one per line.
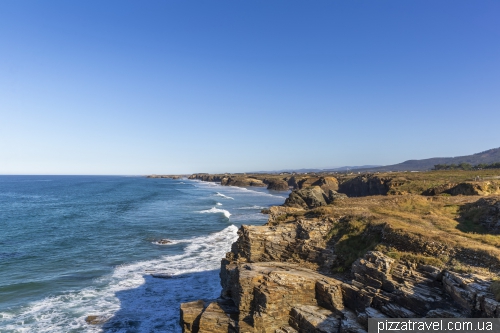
column 365, row 185
column 241, row 181
column 278, row 214
column 277, row 185
column 483, row 188
column 440, row 189
column 206, row 177
column 265, row 293
column 302, row 242
column 307, row 198
column 286, row 297
column 164, row 176
column 312, row 197
column 190, row 314
column 229, row 180
column 215, row 316
column 325, row 183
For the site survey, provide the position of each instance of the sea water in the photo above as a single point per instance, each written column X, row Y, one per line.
column 76, row 246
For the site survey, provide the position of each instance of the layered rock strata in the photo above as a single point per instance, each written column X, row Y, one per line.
column 274, row 280
column 280, row 297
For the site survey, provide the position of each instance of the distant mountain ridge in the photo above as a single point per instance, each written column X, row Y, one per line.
column 343, row 168
column 486, row 157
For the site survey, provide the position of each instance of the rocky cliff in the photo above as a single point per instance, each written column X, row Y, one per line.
column 329, row 264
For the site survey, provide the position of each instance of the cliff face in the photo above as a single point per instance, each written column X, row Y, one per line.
column 429, row 184
column 331, row 267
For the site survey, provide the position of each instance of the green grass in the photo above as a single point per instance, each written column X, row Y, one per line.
column 417, row 258
column 353, row 238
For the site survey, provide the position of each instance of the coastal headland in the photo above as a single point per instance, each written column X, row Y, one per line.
column 347, row 247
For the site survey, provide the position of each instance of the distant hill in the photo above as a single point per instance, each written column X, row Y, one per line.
column 486, row 157
column 343, row 168
column 352, row 167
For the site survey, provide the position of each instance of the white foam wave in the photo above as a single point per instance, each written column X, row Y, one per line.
column 223, row 195
column 252, row 207
column 217, row 210
column 218, row 204
column 131, row 297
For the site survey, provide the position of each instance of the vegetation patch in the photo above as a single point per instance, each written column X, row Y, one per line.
column 495, row 288
column 352, row 238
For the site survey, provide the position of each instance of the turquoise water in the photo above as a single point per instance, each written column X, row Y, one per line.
column 73, row 246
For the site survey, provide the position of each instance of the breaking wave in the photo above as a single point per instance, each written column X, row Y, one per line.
column 131, row 298
column 252, row 207
column 224, row 196
column 217, row 210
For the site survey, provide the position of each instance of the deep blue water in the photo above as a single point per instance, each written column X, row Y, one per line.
column 73, row 246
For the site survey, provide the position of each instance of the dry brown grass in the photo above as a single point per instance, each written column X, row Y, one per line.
column 418, row 182
column 431, row 219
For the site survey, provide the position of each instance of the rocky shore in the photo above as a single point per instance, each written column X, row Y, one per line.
column 327, row 261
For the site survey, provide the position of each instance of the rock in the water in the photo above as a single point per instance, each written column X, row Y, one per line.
column 162, row 275
column 96, row 320
column 163, row 242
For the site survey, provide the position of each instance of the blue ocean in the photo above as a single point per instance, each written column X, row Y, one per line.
column 78, row 246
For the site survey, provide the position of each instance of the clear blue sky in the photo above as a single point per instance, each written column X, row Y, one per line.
column 139, row 87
